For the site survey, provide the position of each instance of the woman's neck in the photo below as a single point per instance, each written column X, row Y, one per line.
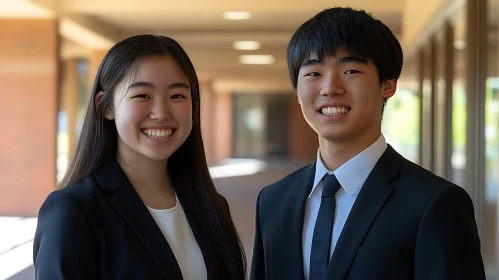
column 150, row 180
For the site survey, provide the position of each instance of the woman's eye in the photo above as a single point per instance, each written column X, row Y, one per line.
column 177, row 96
column 142, row 96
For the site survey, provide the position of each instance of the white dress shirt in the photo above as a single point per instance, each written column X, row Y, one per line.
column 351, row 176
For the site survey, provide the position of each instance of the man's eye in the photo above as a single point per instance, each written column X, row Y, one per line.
column 351, row 72
column 313, row 74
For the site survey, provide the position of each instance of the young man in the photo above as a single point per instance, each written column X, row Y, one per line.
column 361, row 211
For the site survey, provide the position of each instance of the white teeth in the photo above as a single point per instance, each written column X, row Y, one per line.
column 334, row 111
column 156, row 133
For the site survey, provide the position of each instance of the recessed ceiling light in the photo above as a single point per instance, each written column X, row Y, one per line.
column 233, row 15
column 246, row 45
column 23, row 9
column 256, row 59
column 459, row 44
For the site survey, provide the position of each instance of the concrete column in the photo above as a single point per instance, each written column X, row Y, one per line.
column 303, row 141
column 96, row 57
column 222, row 129
column 69, row 101
column 207, row 119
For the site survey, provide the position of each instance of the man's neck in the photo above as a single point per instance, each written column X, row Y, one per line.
column 336, row 153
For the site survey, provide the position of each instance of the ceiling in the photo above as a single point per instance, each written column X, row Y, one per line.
column 200, row 28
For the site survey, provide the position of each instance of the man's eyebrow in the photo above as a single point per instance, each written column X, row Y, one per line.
column 342, row 60
column 312, row 61
column 347, row 59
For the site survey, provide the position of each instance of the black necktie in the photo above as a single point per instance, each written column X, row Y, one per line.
column 321, row 242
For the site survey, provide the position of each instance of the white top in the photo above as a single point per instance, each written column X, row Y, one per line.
column 351, row 176
column 175, row 227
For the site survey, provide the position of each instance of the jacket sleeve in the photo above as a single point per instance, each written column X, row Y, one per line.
column 447, row 243
column 258, row 261
column 64, row 244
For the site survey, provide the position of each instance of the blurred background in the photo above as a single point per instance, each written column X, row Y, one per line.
column 444, row 116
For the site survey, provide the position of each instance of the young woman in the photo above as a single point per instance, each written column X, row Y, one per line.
column 137, row 201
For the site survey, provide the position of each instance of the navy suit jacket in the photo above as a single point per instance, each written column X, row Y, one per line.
column 406, row 223
column 99, row 228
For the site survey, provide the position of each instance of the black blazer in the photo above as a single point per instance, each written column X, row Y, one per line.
column 406, row 223
column 99, row 228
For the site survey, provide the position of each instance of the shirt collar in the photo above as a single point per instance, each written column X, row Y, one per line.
column 353, row 173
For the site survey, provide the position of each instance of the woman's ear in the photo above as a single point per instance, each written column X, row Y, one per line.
column 109, row 113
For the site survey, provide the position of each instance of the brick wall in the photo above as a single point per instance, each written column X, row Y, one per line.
column 28, row 110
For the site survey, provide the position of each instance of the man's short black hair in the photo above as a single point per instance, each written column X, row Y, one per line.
column 357, row 31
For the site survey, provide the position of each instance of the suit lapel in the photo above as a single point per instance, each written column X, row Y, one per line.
column 128, row 204
column 373, row 195
column 292, row 216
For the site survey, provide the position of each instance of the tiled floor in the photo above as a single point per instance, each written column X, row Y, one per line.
column 236, row 180
column 16, row 245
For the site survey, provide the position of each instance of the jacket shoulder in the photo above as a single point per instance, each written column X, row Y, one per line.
column 414, row 172
column 282, row 185
column 421, row 186
column 81, row 193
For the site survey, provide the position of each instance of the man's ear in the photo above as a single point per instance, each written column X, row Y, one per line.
column 109, row 113
column 389, row 88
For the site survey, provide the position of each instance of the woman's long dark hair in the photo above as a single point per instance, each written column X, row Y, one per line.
column 187, row 166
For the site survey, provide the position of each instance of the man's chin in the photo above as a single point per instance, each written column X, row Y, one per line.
column 335, row 137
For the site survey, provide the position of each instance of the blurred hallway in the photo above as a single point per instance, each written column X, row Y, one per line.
column 444, row 116
column 241, row 193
